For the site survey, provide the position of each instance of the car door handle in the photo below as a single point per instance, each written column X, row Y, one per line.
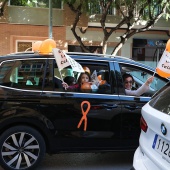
column 131, row 107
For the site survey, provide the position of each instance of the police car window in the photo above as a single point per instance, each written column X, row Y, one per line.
column 22, row 74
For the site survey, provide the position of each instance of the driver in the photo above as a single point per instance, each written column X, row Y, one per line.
column 128, row 82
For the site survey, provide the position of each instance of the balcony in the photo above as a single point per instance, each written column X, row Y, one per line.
column 34, row 16
column 113, row 20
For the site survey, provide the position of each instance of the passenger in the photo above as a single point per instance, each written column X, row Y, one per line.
column 83, row 78
column 104, row 86
column 70, row 80
column 129, row 90
column 86, row 69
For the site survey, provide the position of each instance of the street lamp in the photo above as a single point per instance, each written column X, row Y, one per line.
column 50, row 20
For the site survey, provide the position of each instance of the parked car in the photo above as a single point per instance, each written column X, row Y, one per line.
column 38, row 116
column 154, row 149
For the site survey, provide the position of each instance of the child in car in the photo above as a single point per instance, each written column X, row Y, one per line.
column 83, row 78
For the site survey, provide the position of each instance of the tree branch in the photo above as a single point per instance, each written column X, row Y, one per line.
column 129, row 33
column 73, row 28
column 2, row 6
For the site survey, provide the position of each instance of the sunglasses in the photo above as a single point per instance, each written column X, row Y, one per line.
column 126, row 82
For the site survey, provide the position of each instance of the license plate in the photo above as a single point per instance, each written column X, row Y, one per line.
column 162, row 146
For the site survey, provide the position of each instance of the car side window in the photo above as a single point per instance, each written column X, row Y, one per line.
column 23, row 74
column 140, row 76
column 98, row 72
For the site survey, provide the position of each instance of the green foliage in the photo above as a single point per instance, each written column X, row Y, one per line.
column 36, row 3
column 55, row 3
column 143, row 8
column 144, row 13
column 19, row 2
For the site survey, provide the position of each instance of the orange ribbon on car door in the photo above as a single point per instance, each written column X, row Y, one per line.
column 84, row 117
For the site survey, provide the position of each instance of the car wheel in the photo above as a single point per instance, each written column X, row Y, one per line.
column 21, row 147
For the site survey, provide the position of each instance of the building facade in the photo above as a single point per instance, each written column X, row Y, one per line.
column 21, row 26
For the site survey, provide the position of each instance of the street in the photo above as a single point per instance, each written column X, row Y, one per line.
column 88, row 161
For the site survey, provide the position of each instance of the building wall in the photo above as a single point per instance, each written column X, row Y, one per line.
column 10, row 33
column 34, row 16
column 70, row 15
column 13, row 33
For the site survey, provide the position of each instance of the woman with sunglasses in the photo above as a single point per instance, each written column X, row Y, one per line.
column 129, row 89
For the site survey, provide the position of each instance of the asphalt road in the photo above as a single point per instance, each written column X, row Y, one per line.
column 88, row 161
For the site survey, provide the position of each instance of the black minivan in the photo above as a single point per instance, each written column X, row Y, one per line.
column 38, row 116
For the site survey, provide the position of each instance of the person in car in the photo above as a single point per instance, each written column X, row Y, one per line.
column 70, row 80
column 83, row 78
column 130, row 90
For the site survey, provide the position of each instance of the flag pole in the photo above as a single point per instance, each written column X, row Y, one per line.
column 62, row 78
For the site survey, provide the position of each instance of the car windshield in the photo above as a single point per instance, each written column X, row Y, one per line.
column 161, row 100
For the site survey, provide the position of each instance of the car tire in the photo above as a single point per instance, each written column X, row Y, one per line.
column 21, row 147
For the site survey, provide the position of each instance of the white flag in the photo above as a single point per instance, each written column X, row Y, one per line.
column 95, row 79
column 63, row 60
column 60, row 58
column 163, row 67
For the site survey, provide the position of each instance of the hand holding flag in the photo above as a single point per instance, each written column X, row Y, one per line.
column 63, row 60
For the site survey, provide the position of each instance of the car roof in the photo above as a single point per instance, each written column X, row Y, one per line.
column 76, row 55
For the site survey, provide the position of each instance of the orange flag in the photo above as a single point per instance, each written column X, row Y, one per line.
column 163, row 67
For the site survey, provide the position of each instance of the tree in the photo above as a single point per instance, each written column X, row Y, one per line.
column 2, row 6
column 132, row 12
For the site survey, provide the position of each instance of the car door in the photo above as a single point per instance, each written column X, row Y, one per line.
column 100, row 128
column 131, row 105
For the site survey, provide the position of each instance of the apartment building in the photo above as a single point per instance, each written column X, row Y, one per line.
column 21, row 26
